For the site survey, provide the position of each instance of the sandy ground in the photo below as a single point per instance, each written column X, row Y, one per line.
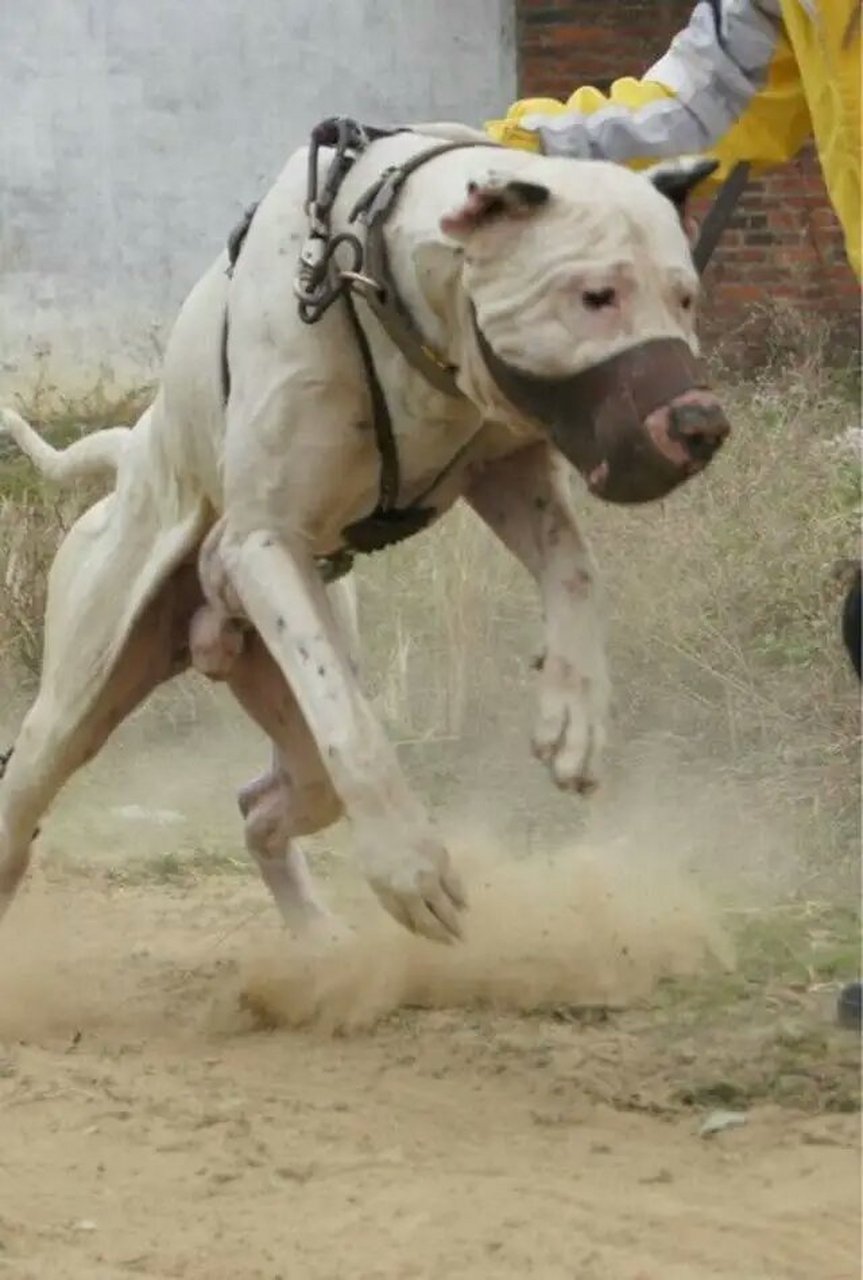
column 186, row 1093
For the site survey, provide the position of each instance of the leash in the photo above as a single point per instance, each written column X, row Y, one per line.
column 719, row 215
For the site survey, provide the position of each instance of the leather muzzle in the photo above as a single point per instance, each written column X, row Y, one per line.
column 635, row 425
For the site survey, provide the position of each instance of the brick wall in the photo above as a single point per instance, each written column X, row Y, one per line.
column 784, row 243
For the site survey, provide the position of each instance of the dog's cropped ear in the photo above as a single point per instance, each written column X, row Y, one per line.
column 496, row 200
column 677, row 179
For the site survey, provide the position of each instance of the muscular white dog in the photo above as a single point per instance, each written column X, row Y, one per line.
column 560, row 296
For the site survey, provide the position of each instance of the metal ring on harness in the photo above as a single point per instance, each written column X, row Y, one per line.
column 319, row 287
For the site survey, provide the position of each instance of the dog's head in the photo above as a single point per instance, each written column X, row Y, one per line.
column 581, row 296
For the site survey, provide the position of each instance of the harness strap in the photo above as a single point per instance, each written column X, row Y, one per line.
column 390, row 481
column 235, row 244
column 387, row 524
column 374, row 209
column 224, row 363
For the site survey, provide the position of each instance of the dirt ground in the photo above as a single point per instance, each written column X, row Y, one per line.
column 184, row 1092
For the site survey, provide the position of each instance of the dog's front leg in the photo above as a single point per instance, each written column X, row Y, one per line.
column 284, row 599
column 524, row 498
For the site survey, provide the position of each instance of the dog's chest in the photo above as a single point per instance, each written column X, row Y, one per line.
column 429, row 429
column 418, row 468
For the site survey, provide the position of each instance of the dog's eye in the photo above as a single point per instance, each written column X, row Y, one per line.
column 597, row 299
column 686, row 302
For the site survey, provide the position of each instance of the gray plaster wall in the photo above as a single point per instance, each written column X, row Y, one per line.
column 134, row 132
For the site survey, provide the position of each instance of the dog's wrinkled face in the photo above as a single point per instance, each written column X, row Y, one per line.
column 583, row 295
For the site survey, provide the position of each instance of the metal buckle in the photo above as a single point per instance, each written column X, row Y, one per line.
column 362, row 283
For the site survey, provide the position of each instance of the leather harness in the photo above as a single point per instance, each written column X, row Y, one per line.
column 321, row 282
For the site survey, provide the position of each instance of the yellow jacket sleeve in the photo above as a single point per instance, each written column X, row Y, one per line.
column 728, row 87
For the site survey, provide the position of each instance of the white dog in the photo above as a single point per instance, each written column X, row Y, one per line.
column 530, row 310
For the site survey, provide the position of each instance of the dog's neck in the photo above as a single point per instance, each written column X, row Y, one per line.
column 426, row 264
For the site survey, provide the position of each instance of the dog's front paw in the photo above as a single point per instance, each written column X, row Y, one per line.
column 418, row 885
column 570, row 731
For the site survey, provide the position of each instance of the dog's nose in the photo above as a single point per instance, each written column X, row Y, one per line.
column 699, row 425
column 688, row 431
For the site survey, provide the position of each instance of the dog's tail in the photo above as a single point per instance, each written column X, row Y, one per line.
column 92, row 455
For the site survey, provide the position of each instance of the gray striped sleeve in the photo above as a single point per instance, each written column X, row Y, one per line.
column 714, row 75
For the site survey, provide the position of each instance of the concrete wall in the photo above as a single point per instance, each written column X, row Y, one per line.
column 134, row 132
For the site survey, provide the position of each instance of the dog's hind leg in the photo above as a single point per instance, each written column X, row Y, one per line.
column 295, row 797
column 64, row 730
column 292, row 798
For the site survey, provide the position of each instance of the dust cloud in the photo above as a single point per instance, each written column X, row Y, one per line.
column 573, row 928
column 596, row 907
